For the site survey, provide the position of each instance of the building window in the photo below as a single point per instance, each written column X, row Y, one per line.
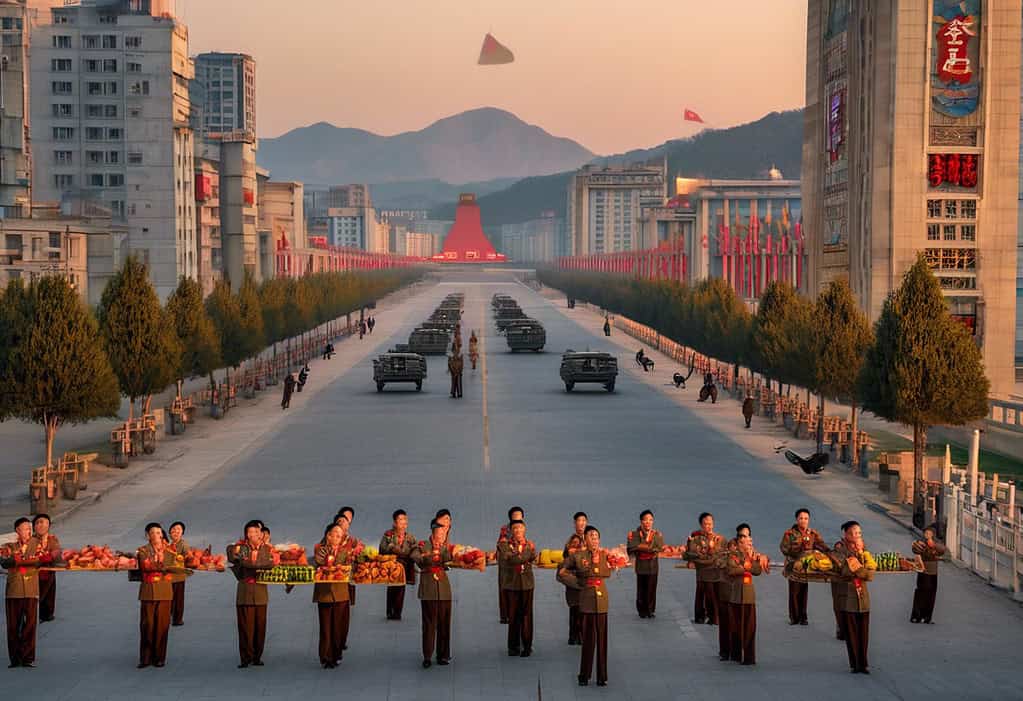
column 135, row 112
column 134, row 67
column 90, row 41
column 62, row 42
column 54, row 240
column 94, row 157
column 114, row 134
column 134, row 158
column 93, row 111
column 110, row 87
column 113, row 157
column 934, row 209
column 63, row 133
column 951, row 258
column 95, row 180
column 93, row 133
column 133, row 42
column 140, row 87
column 60, row 65
column 968, row 209
column 950, row 209
column 110, row 65
column 115, row 180
column 949, row 232
column 108, row 19
column 61, row 87
column 968, row 232
column 934, row 232
column 63, row 110
column 109, row 41
column 90, row 66
column 63, row 156
column 63, row 181
column 94, row 88
column 110, row 111
column 117, row 208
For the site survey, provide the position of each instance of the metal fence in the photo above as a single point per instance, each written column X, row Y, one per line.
column 980, row 538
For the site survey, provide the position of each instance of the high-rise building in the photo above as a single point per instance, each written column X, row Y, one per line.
column 605, row 204
column 110, row 125
column 349, row 196
column 207, row 223
column 348, row 227
column 911, row 148
column 15, row 149
column 223, row 95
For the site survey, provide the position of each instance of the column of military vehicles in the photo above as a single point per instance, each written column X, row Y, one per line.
column 406, row 362
column 521, row 332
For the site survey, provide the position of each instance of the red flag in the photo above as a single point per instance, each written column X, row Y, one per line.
column 689, row 116
column 494, row 52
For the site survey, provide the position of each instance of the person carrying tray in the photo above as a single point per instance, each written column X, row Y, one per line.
column 155, row 595
column 516, row 555
column 22, row 559
column 331, row 598
column 247, row 557
column 796, row 542
column 433, row 558
column 399, row 542
column 742, row 565
column 178, row 546
column 931, row 552
column 644, row 544
column 854, row 598
column 587, row 570
column 575, row 542
column 702, row 549
column 47, row 579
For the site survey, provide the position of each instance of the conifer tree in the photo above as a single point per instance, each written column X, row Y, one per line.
column 197, row 335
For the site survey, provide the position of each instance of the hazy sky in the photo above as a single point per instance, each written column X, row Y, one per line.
column 611, row 74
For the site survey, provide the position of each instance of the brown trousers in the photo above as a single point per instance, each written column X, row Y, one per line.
column 178, row 604
column 456, row 385
column 725, row 623
column 797, row 601
column 251, row 633
column 706, row 608
column 743, row 631
column 21, row 630
column 646, row 594
column 594, row 640
column 520, row 619
column 47, row 595
column 436, row 629
column 856, row 631
column 154, row 624
column 395, row 602
column 575, row 625
column 334, row 619
column 923, row 597
column 839, row 624
column 502, row 602
column 351, row 594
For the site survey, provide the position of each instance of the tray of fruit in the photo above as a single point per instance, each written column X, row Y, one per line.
column 549, row 559
column 204, row 560
column 379, row 571
column 618, row 557
column 291, row 554
column 333, row 574
column 894, row 563
column 287, row 574
column 94, row 558
column 469, row 558
column 672, row 552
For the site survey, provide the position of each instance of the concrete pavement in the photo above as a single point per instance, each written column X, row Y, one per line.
column 527, row 442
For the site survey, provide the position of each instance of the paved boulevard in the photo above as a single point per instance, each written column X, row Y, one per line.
column 517, row 437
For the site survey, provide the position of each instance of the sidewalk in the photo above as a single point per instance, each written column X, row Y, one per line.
column 207, row 442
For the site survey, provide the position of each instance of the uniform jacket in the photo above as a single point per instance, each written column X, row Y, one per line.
column 22, row 564
column 156, row 582
column 703, row 550
column 646, row 560
column 740, row 577
column 455, row 364
column 571, row 593
column 390, row 545
column 930, row 554
column 517, row 565
column 246, row 562
column 51, row 544
column 180, row 548
column 747, row 407
column 587, row 572
column 332, row 592
column 795, row 542
column 853, row 596
column 433, row 570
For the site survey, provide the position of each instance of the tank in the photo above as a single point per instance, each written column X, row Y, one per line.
column 589, row 366
column 526, row 334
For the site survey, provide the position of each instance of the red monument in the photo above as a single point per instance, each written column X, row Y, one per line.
column 466, row 242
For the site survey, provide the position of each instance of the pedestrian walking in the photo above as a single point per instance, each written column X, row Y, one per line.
column 155, row 560
column 331, row 598
column 289, row 387
column 854, row 598
column 22, row 559
column 47, row 579
column 179, row 547
column 362, row 328
column 931, row 552
column 303, row 377
column 399, row 542
column 371, row 323
column 796, row 542
column 644, row 543
column 587, row 570
column 607, row 326
column 747, row 409
column 516, row 554
column 743, row 564
column 703, row 549
column 433, row 558
column 247, row 556
column 455, row 367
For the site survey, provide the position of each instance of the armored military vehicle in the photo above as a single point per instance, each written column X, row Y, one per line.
column 399, row 367
column 429, row 341
column 525, row 334
column 589, row 366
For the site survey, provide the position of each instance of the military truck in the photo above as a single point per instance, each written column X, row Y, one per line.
column 399, row 367
column 589, row 366
column 525, row 334
column 429, row 341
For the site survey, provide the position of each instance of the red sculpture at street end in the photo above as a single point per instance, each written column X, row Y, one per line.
column 466, row 242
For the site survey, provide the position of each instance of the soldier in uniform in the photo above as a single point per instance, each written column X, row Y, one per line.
column 516, row 554
column 433, row 558
column 796, row 542
column 742, row 564
column 155, row 559
column 587, row 570
column 515, row 513
column 179, row 547
column 931, row 552
column 398, row 541
column 347, row 513
column 443, row 517
column 724, row 592
column 854, row 601
column 331, row 598
column 702, row 549
column 455, row 366
column 247, row 556
column 474, row 349
column 644, row 543
column 575, row 542
column 47, row 579
column 22, row 559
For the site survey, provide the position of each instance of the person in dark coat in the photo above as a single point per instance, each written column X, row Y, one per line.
column 607, row 326
column 931, row 552
column 362, row 329
column 289, row 387
column 747, row 409
column 371, row 323
column 47, row 580
column 303, row 377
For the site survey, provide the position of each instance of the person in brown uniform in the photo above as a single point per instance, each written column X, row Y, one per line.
column 179, row 547
column 748, row 410
column 443, row 517
column 247, row 557
column 22, row 559
column 575, row 542
column 644, row 543
column 347, row 512
column 516, row 556
column 331, row 598
column 155, row 594
column 47, row 579
column 931, row 552
column 515, row 513
column 587, row 570
column 724, row 592
column 854, row 601
column 455, row 367
column 702, row 549
column 742, row 565
column 433, row 558
column 398, row 541
column 795, row 543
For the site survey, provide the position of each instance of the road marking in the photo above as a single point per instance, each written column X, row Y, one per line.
column 483, row 371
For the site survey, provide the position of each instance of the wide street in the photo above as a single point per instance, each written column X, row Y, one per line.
column 516, row 438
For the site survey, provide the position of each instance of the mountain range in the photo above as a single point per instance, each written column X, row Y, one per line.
column 478, row 145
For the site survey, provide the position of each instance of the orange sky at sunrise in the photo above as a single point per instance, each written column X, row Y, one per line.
column 612, row 75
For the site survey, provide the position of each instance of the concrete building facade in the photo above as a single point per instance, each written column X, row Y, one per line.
column 15, row 124
column 911, row 147
column 110, row 118
column 538, row 240
column 223, row 95
column 207, row 222
column 605, row 204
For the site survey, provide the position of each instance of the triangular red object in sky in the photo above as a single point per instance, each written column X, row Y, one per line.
column 494, row 52
column 691, row 116
column 466, row 242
